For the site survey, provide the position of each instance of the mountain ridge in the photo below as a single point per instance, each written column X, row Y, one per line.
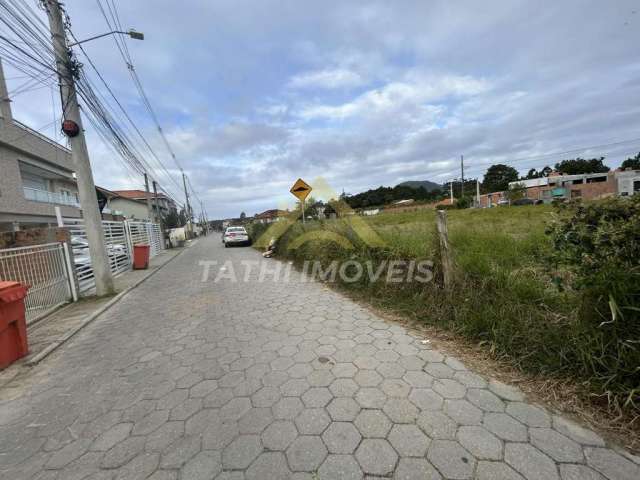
column 426, row 184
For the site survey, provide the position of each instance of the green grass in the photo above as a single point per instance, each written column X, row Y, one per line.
column 504, row 295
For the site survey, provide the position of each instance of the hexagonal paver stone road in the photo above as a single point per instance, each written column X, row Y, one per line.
column 225, row 380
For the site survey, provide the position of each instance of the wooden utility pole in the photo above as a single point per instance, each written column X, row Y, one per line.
column 79, row 153
column 445, row 251
column 461, row 176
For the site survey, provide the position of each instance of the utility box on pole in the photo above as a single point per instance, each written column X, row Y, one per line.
column 72, row 126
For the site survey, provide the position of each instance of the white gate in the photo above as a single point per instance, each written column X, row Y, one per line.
column 44, row 269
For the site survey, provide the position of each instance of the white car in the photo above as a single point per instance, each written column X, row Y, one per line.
column 235, row 236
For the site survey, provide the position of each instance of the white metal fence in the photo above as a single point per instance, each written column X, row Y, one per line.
column 45, row 269
column 117, row 244
column 120, row 237
column 147, row 234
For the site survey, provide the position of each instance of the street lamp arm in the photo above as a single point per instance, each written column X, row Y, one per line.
column 132, row 33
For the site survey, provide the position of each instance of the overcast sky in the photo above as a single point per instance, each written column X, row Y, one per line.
column 254, row 94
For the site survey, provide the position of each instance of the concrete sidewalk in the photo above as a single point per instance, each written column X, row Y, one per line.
column 51, row 332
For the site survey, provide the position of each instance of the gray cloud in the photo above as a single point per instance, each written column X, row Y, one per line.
column 254, row 94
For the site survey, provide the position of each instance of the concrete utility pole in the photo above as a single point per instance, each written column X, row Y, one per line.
column 186, row 197
column 478, row 191
column 204, row 219
column 451, row 191
column 156, row 203
column 79, row 153
column 461, row 176
column 148, row 195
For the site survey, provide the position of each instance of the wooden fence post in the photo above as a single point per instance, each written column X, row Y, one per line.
column 445, row 251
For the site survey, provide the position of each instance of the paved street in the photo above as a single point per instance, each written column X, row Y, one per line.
column 200, row 380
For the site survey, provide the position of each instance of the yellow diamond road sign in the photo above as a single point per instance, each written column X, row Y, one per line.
column 301, row 189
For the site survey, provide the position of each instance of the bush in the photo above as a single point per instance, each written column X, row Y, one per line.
column 599, row 243
column 256, row 229
column 464, row 202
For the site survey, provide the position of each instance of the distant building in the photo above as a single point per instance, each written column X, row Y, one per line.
column 445, row 202
column 134, row 203
column 371, row 211
column 37, row 174
column 270, row 216
column 399, row 203
column 493, row 199
column 586, row 186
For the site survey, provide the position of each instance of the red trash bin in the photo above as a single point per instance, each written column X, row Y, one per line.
column 13, row 326
column 141, row 257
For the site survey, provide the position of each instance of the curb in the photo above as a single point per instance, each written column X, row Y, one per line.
column 91, row 317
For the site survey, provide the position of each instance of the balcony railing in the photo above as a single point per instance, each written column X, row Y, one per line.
column 45, row 196
column 42, row 137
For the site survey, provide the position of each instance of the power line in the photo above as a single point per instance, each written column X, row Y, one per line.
column 126, row 55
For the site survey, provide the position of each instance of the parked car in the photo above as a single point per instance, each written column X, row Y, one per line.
column 236, row 236
column 79, row 243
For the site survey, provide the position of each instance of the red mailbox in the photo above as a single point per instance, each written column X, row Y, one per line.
column 13, row 326
column 141, row 257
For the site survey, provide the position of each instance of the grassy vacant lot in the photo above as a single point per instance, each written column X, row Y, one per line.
column 506, row 294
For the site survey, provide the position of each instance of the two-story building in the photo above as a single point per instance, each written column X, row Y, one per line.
column 36, row 174
column 126, row 201
column 586, row 186
column 560, row 187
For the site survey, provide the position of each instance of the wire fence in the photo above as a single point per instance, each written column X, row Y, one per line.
column 44, row 269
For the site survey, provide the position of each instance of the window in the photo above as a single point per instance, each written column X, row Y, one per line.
column 636, row 186
column 597, row 179
column 579, row 181
column 30, row 180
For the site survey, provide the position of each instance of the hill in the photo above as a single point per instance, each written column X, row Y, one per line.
column 426, row 184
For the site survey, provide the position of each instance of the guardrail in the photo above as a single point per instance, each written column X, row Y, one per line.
column 44, row 196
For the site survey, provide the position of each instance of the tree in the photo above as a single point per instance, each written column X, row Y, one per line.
column 546, row 171
column 498, row 177
column 173, row 219
column 633, row 163
column 243, row 215
column 577, row 166
column 516, row 192
column 533, row 173
column 464, row 202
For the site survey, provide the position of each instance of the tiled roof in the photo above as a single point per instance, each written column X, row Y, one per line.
column 136, row 194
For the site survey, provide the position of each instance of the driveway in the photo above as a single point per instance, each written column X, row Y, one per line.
column 254, row 379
